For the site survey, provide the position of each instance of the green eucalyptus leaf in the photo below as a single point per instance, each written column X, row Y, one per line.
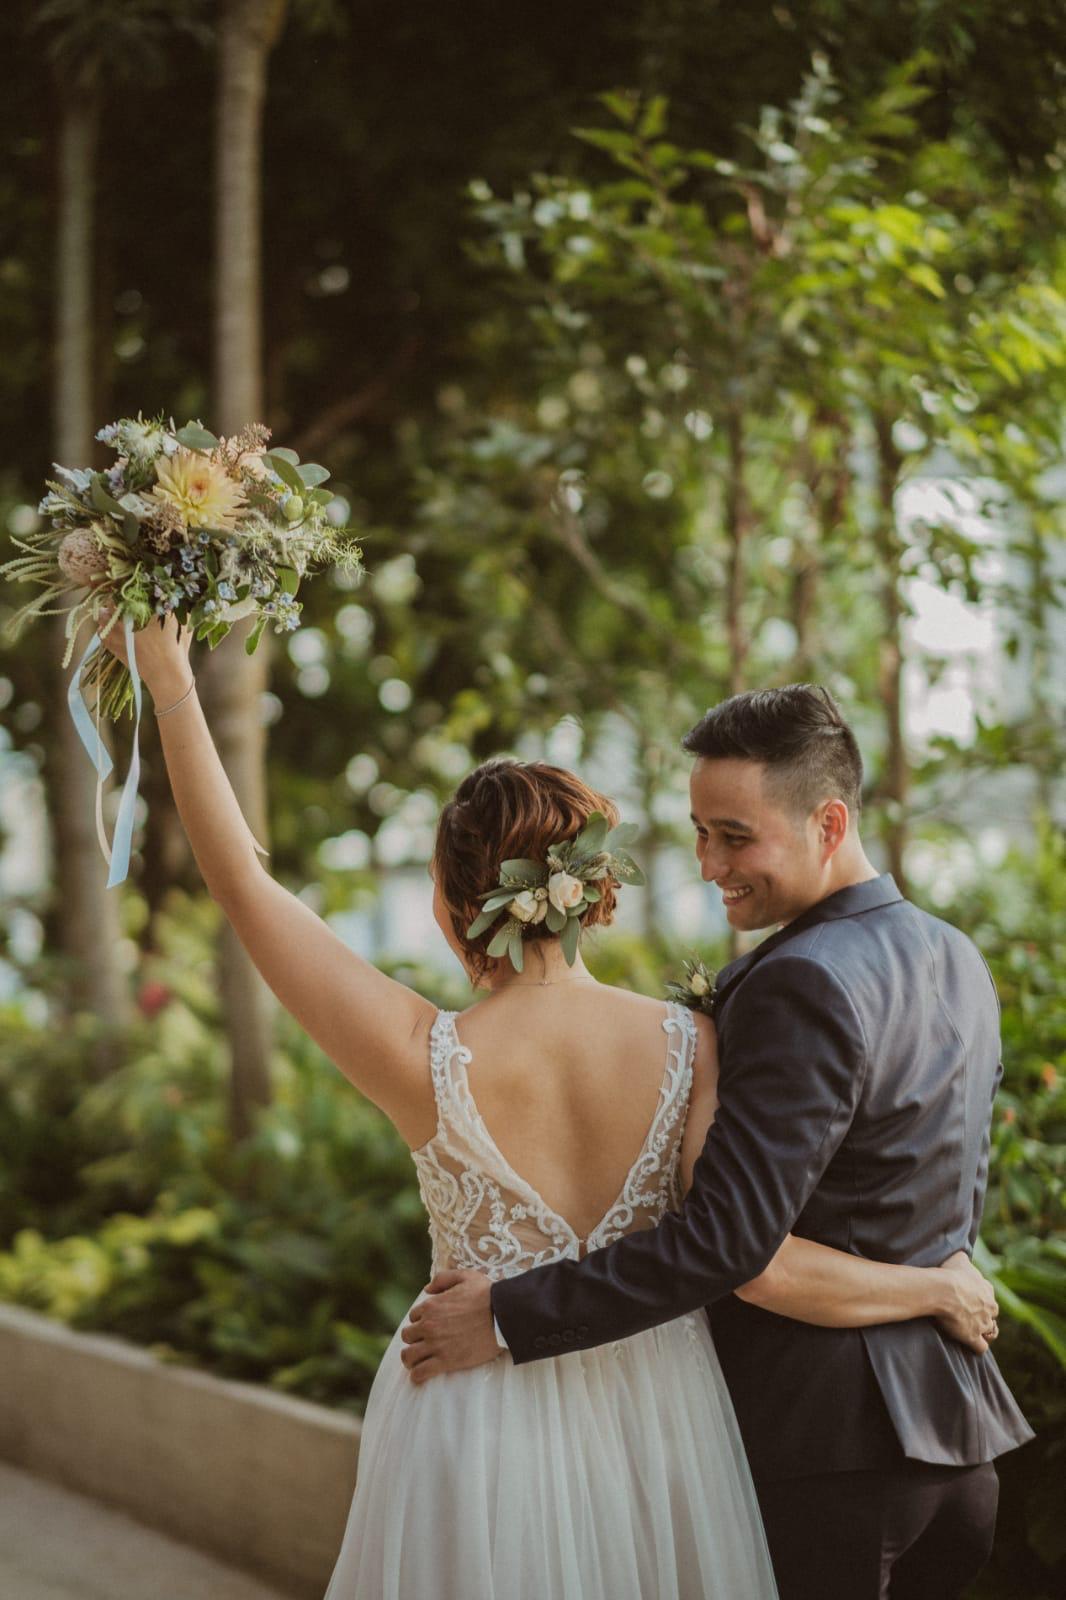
column 483, row 920
column 285, row 471
column 286, row 455
column 102, row 500
column 624, row 834
column 251, row 644
column 626, row 870
column 498, row 947
column 516, row 953
column 520, row 869
column 569, row 938
column 556, row 920
column 195, row 437
column 592, row 835
column 498, row 898
column 289, row 579
column 311, row 474
column 591, row 894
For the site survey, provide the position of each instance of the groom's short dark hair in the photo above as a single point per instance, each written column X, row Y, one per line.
column 798, row 733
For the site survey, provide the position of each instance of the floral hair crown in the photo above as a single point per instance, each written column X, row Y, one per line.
column 558, row 890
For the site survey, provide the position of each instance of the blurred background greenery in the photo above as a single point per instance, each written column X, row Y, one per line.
column 657, row 351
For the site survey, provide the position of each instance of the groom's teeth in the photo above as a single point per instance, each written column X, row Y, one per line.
column 730, row 896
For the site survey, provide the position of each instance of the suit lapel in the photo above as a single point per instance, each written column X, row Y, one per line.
column 849, row 902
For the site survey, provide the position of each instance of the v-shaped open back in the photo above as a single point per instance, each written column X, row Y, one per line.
column 484, row 1214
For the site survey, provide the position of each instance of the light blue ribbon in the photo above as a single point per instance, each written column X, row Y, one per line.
column 118, row 854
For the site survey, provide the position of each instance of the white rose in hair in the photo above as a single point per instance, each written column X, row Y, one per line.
column 525, row 907
column 565, row 891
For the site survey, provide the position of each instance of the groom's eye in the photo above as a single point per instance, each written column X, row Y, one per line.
column 735, row 838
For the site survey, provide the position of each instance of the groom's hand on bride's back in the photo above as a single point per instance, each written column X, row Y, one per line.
column 971, row 1314
column 452, row 1330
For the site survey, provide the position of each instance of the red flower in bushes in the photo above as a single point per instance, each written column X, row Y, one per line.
column 153, row 996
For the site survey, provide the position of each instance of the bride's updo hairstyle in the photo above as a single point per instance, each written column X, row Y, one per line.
column 503, row 809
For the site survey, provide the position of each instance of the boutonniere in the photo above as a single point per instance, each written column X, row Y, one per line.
column 699, row 990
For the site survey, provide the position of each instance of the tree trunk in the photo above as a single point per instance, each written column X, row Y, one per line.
column 803, row 606
column 88, row 920
column 738, row 518
column 234, row 682
column 895, row 784
column 828, row 487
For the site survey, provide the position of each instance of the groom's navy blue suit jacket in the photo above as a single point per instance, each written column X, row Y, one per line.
column 859, row 1051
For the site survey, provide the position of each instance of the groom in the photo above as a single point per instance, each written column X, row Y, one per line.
column 859, row 1049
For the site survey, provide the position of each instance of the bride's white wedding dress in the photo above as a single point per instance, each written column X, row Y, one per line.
column 609, row 1474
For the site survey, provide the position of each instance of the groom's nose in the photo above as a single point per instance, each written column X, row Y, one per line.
column 710, row 866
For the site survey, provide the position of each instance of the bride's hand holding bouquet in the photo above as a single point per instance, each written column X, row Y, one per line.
column 162, row 656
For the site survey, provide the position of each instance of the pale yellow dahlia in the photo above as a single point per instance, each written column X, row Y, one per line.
column 201, row 489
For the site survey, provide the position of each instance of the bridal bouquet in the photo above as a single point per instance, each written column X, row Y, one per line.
column 182, row 524
column 209, row 530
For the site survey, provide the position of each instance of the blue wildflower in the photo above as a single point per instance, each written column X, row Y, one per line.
column 227, row 591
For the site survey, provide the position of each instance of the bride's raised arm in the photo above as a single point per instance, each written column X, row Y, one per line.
column 374, row 1029
column 830, row 1288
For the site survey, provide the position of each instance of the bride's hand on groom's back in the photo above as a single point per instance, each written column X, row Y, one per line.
column 972, row 1313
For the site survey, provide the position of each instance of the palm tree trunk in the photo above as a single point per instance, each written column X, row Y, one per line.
column 234, row 682
column 895, row 785
column 88, row 919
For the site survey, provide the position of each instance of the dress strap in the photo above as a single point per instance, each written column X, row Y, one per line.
column 444, row 1049
column 679, row 1019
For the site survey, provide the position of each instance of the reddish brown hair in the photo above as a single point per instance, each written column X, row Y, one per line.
column 503, row 809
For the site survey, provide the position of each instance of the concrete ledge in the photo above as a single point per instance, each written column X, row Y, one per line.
column 261, row 1480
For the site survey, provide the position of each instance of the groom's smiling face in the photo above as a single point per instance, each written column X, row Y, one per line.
column 768, row 862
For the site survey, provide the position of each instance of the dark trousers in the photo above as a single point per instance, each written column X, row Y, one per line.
column 912, row 1532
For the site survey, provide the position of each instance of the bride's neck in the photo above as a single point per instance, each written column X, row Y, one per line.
column 544, row 964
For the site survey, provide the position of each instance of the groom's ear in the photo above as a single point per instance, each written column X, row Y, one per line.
column 832, row 826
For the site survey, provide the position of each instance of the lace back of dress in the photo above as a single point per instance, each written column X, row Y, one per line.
column 484, row 1215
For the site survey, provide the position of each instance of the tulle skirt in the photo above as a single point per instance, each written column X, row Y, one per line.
column 609, row 1474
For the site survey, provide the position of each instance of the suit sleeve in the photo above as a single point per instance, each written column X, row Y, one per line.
column 793, row 1061
column 981, row 1179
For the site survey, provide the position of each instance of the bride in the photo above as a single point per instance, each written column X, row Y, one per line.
column 540, row 1126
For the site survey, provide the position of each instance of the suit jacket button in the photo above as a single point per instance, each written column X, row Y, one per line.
column 582, row 1333
column 554, row 1339
column 569, row 1335
column 539, row 1342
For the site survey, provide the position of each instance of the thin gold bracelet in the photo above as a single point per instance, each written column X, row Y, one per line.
column 168, row 709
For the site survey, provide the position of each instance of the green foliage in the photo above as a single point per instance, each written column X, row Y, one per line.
column 1017, row 915
column 125, row 1206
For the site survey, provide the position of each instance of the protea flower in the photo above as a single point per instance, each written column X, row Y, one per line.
column 201, row 489
column 80, row 558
